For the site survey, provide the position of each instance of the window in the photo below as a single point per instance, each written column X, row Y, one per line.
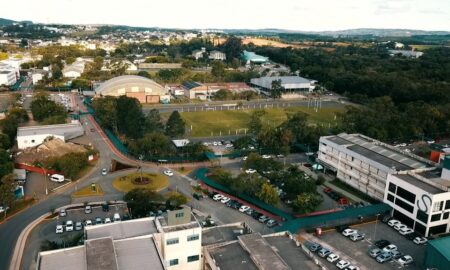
column 390, row 197
column 408, row 196
column 447, row 205
column 437, row 206
column 172, row 241
column 179, row 215
column 173, row 262
column 193, row 237
column 392, row 187
column 422, row 216
column 436, row 217
column 193, row 258
column 404, row 205
column 445, row 216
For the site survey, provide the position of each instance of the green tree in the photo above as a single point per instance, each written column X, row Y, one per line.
column 106, row 110
column 268, row 194
column 154, row 144
column 5, row 142
column 218, row 69
column 70, row 60
column 6, row 165
column 255, row 124
column 7, row 186
column 130, row 118
column 277, row 89
column 175, row 126
column 42, row 108
column 232, row 47
column 223, row 94
column 307, row 202
column 175, row 200
column 153, row 121
column 141, row 201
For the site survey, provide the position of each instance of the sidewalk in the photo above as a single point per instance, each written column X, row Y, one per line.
column 343, row 192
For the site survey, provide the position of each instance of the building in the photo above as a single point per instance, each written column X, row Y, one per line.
column 437, row 254
column 365, row 163
column 205, row 91
column 406, row 53
column 8, row 77
column 74, row 70
column 197, row 54
column 35, row 135
column 217, row 55
column 158, row 66
column 253, row 58
column 289, row 83
column 145, row 90
column 172, row 242
column 421, row 198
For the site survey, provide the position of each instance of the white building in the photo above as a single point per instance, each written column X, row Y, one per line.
column 74, row 70
column 421, row 199
column 198, row 53
column 172, row 241
column 406, row 53
column 37, row 76
column 217, row 55
column 365, row 163
column 289, row 83
column 35, row 135
column 8, row 77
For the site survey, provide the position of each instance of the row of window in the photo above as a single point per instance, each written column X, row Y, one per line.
column 192, row 258
column 403, row 193
column 174, row 241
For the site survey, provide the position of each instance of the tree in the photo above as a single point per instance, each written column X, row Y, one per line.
column 106, row 110
column 70, row 60
column 307, row 202
column 7, row 185
column 153, row 121
column 175, row 126
column 276, row 89
column 223, row 94
column 152, row 144
column 218, row 69
column 42, row 108
column 141, row 201
column 5, row 143
column 232, row 47
column 255, row 124
column 6, row 165
column 130, row 118
column 175, row 200
column 268, row 194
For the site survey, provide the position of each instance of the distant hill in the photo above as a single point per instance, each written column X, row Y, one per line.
column 382, row 32
column 6, row 22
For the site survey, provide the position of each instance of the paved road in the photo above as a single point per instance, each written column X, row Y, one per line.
column 254, row 104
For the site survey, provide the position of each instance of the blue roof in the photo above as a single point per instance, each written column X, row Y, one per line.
column 190, row 85
column 253, row 57
column 442, row 245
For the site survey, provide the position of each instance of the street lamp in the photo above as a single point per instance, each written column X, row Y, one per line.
column 141, row 157
column 376, row 223
column 46, row 187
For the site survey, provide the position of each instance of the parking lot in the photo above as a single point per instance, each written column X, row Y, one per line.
column 65, row 100
column 358, row 250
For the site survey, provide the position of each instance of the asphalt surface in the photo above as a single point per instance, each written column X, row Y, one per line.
column 326, row 102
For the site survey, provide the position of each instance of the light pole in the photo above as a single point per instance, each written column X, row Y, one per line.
column 46, row 187
column 376, row 223
column 141, row 157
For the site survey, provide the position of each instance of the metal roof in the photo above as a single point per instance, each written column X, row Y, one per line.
column 288, row 82
column 61, row 129
column 189, row 85
column 128, row 81
column 419, row 183
column 442, row 245
column 122, row 230
column 253, row 57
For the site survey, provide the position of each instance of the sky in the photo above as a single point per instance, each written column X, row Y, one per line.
column 311, row 15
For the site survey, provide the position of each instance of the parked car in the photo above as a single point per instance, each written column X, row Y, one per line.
column 78, row 226
column 117, row 216
column 88, row 222
column 271, row 223
column 332, row 257
column 244, row 158
column 107, row 220
column 393, row 222
column 382, row 243
column 263, row 219
column 396, row 254
column 357, row 237
column 420, row 240
column 400, row 226
column 374, row 252
column 390, row 248
column 348, row 232
column 249, row 212
column 225, row 200
column 341, row 228
column 69, row 226
column 256, row 215
column 217, row 197
column 104, row 171
column 266, row 156
column 87, row 209
column 168, row 172
column 244, row 208
column 342, row 264
column 105, row 207
column 250, row 171
column 412, row 236
column 59, row 229
column 324, row 252
column 315, row 247
column 352, row 267
column 62, row 213
column 98, row 221
column 405, row 260
column 197, row 196
column 384, row 257
column 405, row 231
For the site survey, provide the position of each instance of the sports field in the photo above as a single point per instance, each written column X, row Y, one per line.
column 216, row 123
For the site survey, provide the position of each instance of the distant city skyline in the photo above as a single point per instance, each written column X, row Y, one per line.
column 301, row 15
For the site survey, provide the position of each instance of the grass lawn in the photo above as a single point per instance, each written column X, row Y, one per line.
column 208, row 123
column 18, row 206
column 125, row 183
column 424, row 47
column 87, row 191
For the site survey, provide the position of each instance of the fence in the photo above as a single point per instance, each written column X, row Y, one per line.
column 35, row 169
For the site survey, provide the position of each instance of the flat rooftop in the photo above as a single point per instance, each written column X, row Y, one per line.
column 261, row 252
column 220, row 234
column 232, row 257
column 138, row 253
column 163, row 220
column 60, row 129
column 379, row 152
column 100, row 254
column 67, row 259
column 123, row 229
column 291, row 254
column 415, row 181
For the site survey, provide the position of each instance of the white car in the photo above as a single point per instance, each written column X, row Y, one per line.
column 348, row 232
column 104, row 171
column 78, row 226
column 405, row 260
column 244, row 208
column 244, row 158
column 225, row 200
column 62, row 213
column 228, row 145
column 88, row 209
column 168, row 172
column 389, row 248
column 400, row 226
column 420, row 240
column 393, row 222
column 69, row 226
column 250, row 171
column 107, row 220
column 352, row 267
column 266, row 156
column 332, row 257
column 218, row 197
column 3, row 209
column 405, row 231
column 88, row 222
column 59, row 229
column 342, row 264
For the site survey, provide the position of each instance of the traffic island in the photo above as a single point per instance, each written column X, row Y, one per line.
column 92, row 190
column 151, row 181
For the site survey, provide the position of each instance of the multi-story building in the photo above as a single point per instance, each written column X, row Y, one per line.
column 421, row 199
column 171, row 242
column 365, row 163
column 217, row 55
column 7, row 77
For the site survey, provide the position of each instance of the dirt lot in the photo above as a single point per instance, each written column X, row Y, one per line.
column 51, row 148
